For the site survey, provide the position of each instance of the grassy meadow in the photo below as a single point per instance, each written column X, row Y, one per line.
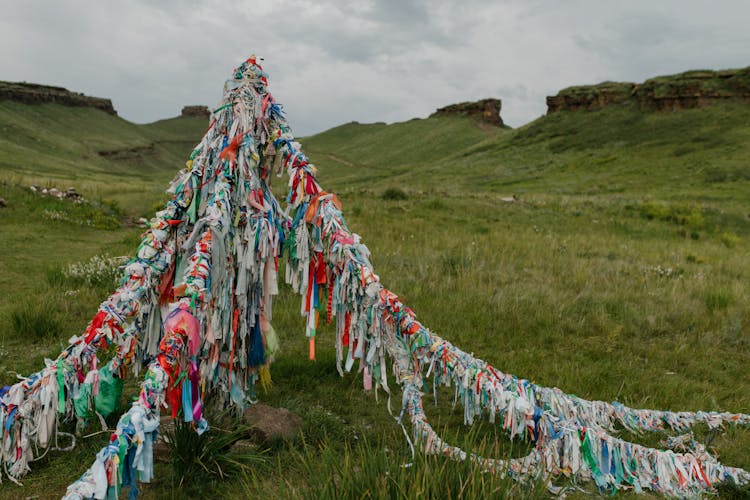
column 620, row 272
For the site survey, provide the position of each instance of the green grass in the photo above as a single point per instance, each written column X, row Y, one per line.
column 36, row 320
column 620, row 272
column 373, row 470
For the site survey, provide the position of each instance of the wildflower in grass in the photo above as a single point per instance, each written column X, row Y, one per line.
column 54, row 215
column 665, row 272
column 100, row 270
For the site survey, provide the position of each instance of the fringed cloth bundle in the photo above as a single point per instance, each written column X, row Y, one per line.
column 195, row 308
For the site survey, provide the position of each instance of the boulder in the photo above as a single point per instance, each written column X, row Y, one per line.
column 3, row 203
column 268, row 423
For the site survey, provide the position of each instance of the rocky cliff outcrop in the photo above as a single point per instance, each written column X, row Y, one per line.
column 485, row 110
column 590, row 97
column 32, row 93
column 196, row 112
column 665, row 93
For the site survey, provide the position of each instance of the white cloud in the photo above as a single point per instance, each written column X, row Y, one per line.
column 332, row 62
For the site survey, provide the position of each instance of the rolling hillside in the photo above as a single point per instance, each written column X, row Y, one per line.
column 614, row 150
column 101, row 154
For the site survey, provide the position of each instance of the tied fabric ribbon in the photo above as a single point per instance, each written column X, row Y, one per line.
column 182, row 321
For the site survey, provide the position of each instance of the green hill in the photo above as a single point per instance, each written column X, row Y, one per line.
column 617, row 156
column 379, row 153
column 101, row 154
column 615, row 149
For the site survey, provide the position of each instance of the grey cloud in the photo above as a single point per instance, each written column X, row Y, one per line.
column 366, row 60
column 353, row 32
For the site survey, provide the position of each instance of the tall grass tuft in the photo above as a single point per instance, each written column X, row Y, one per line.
column 55, row 275
column 201, row 461
column 36, row 320
column 455, row 263
column 717, row 300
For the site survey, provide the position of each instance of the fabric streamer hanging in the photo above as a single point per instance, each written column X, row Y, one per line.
column 194, row 310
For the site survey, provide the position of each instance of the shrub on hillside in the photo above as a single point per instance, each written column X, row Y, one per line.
column 677, row 214
column 730, row 239
column 435, row 204
column 394, row 194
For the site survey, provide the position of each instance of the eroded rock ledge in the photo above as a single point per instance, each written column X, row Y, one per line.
column 485, row 110
column 33, row 93
column 196, row 111
column 691, row 89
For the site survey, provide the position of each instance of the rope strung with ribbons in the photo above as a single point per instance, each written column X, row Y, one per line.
column 194, row 308
column 330, row 267
column 572, row 435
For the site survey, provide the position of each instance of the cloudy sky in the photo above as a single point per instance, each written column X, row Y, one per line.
column 332, row 62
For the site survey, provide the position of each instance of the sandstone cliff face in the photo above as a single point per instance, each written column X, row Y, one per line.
column 196, row 112
column 485, row 110
column 665, row 93
column 32, row 93
column 590, row 97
